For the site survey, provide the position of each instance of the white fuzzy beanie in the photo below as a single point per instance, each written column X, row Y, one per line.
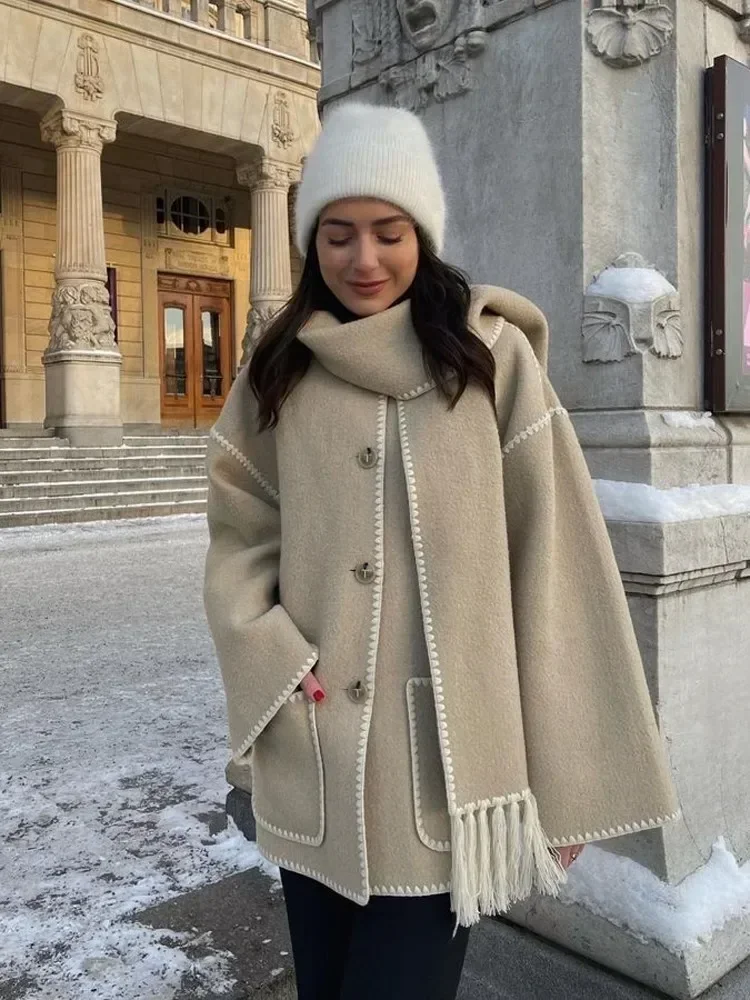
column 365, row 151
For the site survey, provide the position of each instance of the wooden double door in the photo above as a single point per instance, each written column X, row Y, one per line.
column 195, row 330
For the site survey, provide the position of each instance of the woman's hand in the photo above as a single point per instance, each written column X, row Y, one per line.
column 569, row 854
column 312, row 688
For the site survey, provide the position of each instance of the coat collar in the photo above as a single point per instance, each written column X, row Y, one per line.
column 381, row 353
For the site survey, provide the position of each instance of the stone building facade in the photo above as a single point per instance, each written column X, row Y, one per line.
column 147, row 154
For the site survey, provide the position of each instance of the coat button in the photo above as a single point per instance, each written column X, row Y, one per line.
column 364, row 573
column 357, row 691
column 367, row 458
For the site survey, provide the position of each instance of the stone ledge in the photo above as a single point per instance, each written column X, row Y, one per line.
column 678, row 555
column 683, row 976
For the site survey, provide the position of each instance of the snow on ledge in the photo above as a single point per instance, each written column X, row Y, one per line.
column 631, row 284
column 679, row 917
column 641, row 502
column 688, row 419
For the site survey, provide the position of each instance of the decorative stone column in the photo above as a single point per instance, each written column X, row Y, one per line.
column 82, row 361
column 271, row 275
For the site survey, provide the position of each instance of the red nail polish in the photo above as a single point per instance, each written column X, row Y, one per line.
column 319, row 695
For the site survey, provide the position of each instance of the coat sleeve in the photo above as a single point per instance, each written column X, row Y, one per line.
column 261, row 652
column 601, row 765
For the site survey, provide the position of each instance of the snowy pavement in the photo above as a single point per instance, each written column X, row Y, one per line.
column 112, row 753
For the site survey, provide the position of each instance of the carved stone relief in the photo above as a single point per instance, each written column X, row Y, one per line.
column 743, row 25
column 68, row 129
column 257, row 319
column 81, row 319
column 630, row 308
column 88, row 81
column 629, row 32
column 193, row 260
column 424, row 46
column 282, row 132
column 265, row 174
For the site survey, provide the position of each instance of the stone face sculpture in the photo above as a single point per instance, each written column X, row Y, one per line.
column 424, row 46
column 424, row 22
column 631, row 308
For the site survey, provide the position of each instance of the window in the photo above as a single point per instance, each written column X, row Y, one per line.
column 189, row 214
column 112, row 289
column 175, row 375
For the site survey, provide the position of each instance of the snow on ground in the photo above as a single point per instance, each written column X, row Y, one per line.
column 680, row 917
column 112, row 752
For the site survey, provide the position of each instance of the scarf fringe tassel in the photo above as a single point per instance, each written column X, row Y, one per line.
column 500, row 854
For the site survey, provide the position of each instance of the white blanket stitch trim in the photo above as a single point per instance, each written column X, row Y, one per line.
column 427, row 840
column 499, row 324
column 273, row 709
column 614, row 831
column 437, row 679
column 411, row 890
column 431, row 383
column 303, row 838
column 372, row 656
column 532, row 429
column 311, row 873
column 245, row 463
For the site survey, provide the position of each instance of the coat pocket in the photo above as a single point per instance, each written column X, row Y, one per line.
column 287, row 771
column 428, row 783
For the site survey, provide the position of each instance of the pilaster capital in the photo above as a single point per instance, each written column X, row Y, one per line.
column 268, row 175
column 68, row 129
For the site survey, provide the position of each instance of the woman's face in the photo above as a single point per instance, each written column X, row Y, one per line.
column 368, row 253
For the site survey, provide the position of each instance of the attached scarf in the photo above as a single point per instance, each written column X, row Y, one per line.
column 546, row 727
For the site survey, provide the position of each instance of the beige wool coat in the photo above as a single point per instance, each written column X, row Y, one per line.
column 449, row 576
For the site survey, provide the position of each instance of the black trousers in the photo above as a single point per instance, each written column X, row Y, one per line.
column 394, row 948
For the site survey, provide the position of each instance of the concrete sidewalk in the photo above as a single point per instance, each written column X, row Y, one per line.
column 244, row 915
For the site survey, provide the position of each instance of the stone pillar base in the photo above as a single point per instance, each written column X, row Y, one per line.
column 683, row 976
column 663, row 448
column 83, row 396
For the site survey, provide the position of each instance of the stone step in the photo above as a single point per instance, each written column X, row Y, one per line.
column 23, row 435
column 32, row 441
column 67, row 515
column 68, row 472
column 80, row 501
column 150, row 440
column 125, row 451
column 100, row 486
column 119, row 461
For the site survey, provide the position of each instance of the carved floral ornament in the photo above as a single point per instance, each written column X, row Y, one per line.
column 630, row 308
column 81, row 319
column 628, row 33
column 424, row 46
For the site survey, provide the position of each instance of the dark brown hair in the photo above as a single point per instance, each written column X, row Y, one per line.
column 454, row 356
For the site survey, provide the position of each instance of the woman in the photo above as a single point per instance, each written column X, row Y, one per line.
column 402, row 523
